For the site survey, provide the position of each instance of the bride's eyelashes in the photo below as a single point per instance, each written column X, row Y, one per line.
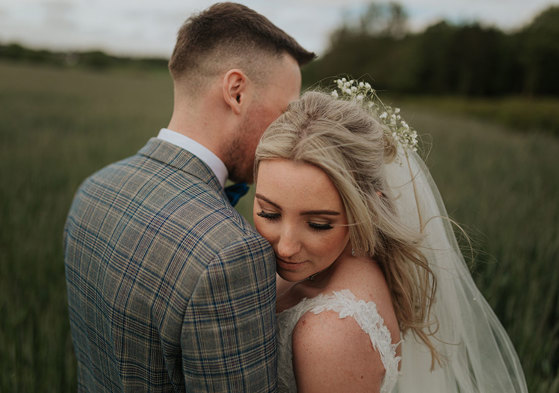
column 319, row 227
column 268, row 216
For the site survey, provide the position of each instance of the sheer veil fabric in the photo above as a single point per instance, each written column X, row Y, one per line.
column 477, row 353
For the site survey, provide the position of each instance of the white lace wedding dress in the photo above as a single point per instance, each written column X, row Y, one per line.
column 346, row 305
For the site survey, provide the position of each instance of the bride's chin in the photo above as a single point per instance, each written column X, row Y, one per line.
column 290, row 276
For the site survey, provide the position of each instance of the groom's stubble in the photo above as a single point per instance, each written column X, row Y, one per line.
column 271, row 98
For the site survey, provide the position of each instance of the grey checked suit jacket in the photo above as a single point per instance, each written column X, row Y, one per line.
column 169, row 288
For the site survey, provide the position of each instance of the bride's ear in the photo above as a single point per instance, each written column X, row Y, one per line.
column 234, row 89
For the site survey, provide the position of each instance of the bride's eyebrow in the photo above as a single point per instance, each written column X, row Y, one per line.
column 320, row 212
column 305, row 213
column 262, row 197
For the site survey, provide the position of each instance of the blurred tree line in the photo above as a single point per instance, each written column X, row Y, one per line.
column 445, row 58
column 94, row 59
column 468, row 59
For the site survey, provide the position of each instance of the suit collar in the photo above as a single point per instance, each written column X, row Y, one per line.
column 180, row 159
column 199, row 150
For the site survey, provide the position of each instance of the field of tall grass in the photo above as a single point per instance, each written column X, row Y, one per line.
column 536, row 114
column 58, row 126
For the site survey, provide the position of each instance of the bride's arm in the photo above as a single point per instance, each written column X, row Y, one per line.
column 334, row 355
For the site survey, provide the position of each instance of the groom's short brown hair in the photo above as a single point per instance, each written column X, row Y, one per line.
column 229, row 30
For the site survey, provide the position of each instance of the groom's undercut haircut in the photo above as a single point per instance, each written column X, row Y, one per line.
column 226, row 36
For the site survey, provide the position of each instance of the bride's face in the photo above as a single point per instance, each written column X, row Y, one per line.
column 300, row 212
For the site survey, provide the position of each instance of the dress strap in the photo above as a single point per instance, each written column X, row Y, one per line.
column 367, row 317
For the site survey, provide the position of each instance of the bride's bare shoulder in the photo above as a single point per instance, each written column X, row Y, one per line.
column 331, row 354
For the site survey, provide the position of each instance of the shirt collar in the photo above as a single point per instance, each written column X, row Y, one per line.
column 200, row 151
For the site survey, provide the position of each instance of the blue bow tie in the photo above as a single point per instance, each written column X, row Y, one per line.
column 235, row 192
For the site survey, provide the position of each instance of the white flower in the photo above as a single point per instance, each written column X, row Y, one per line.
column 363, row 93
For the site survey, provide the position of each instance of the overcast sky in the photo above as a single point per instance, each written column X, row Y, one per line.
column 148, row 27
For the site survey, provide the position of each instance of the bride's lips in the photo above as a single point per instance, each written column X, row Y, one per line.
column 288, row 265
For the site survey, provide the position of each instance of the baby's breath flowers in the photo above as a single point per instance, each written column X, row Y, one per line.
column 362, row 92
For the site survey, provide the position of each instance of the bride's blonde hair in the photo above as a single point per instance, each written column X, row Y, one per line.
column 350, row 145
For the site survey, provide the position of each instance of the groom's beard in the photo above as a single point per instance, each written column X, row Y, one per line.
column 240, row 153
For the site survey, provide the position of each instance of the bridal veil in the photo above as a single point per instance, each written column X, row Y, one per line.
column 477, row 354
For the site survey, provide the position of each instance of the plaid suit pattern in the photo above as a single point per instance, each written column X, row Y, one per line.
column 169, row 289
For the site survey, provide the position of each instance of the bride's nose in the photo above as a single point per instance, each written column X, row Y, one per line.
column 288, row 243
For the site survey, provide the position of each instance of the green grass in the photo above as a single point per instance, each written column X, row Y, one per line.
column 58, row 126
column 517, row 113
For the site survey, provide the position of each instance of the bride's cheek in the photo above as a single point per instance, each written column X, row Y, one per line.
column 337, row 241
column 260, row 226
column 264, row 228
column 328, row 243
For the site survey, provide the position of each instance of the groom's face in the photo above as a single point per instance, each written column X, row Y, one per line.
column 281, row 88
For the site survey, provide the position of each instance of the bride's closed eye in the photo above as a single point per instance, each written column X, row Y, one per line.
column 268, row 216
column 319, row 227
column 313, row 225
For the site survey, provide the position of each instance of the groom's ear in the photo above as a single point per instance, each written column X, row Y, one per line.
column 234, row 89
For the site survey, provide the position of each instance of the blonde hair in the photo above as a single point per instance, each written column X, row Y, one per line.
column 349, row 144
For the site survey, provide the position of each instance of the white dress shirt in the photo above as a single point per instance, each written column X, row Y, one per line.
column 202, row 152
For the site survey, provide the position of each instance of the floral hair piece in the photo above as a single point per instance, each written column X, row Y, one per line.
column 403, row 134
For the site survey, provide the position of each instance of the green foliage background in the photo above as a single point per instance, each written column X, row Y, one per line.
column 466, row 59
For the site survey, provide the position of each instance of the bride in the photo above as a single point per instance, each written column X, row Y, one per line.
column 373, row 292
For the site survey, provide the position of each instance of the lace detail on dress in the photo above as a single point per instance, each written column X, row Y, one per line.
column 346, row 305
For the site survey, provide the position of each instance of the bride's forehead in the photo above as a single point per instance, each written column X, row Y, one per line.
column 292, row 174
column 296, row 182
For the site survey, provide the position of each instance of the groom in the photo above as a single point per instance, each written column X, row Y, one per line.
column 169, row 289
